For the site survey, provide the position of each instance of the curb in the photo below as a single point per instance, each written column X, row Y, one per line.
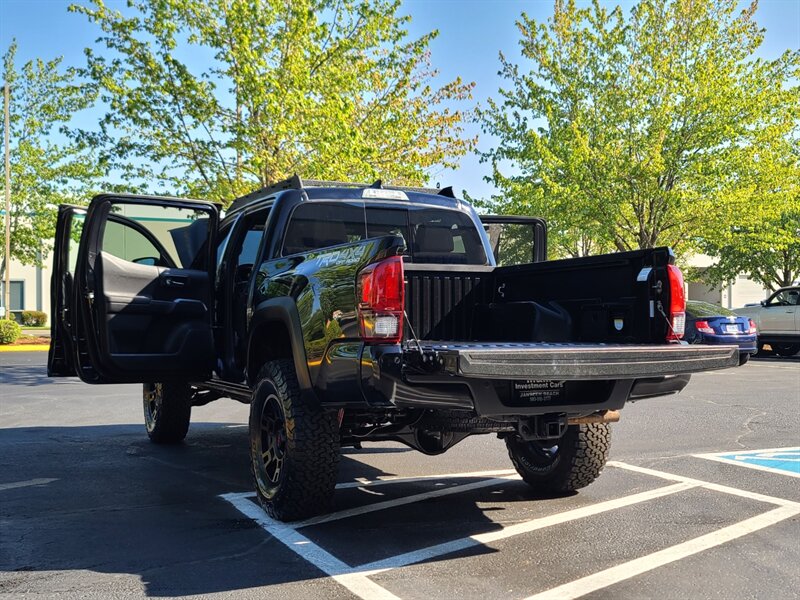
column 26, row 348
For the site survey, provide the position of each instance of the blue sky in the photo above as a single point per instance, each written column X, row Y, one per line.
column 471, row 34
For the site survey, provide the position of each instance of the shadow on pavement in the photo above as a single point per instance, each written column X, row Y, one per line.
column 121, row 505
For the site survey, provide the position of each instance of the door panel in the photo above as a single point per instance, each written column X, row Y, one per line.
column 145, row 275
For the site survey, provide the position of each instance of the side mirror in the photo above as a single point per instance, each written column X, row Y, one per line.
column 763, row 303
column 151, row 261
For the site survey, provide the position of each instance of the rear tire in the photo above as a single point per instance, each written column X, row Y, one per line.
column 785, row 350
column 556, row 467
column 294, row 446
column 167, row 411
column 743, row 359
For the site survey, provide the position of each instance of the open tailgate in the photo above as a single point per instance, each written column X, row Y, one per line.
column 573, row 361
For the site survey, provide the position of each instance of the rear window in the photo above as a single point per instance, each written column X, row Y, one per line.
column 431, row 235
column 704, row 309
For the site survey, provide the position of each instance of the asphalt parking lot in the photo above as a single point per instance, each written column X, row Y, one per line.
column 89, row 508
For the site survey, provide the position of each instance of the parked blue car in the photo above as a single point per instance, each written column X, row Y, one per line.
column 711, row 324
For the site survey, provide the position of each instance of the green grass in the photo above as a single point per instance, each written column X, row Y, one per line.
column 35, row 326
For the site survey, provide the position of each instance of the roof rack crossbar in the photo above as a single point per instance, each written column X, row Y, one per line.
column 295, row 183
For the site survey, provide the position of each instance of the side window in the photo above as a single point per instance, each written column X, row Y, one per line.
column 125, row 241
column 445, row 236
column 785, row 298
column 319, row 225
column 512, row 243
column 167, row 236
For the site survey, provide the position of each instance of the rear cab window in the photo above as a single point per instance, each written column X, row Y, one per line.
column 431, row 235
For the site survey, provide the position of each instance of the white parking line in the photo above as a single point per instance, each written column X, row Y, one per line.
column 400, row 479
column 358, row 584
column 609, row 577
column 356, row 579
column 430, row 552
column 706, row 484
column 29, row 482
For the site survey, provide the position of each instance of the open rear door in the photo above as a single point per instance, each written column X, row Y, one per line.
column 516, row 240
column 60, row 361
column 140, row 308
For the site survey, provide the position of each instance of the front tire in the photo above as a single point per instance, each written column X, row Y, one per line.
column 294, row 446
column 556, row 467
column 167, row 411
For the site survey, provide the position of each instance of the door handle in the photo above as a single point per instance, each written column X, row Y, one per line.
column 175, row 281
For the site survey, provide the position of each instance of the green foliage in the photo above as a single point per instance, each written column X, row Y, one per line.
column 331, row 89
column 630, row 133
column 9, row 331
column 33, row 318
column 49, row 166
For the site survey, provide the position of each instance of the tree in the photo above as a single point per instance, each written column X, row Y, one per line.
column 761, row 236
column 330, row 89
column 49, row 165
column 627, row 133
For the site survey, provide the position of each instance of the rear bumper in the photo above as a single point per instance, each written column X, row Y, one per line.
column 745, row 343
column 586, row 378
column 579, row 361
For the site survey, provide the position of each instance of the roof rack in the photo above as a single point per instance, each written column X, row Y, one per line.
column 295, row 183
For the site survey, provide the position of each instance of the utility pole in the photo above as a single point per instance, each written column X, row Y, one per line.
column 7, row 286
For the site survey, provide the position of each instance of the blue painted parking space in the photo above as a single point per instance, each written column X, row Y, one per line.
column 784, row 461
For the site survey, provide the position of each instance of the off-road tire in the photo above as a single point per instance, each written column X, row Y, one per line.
column 167, row 411
column 300, row 483
column 578, row 460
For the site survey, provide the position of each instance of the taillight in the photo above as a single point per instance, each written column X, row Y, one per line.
column 381, row 301
column 753, row 328
column 703, row 327
column 677, row 303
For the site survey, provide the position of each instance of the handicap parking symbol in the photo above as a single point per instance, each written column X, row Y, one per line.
column 785, row 461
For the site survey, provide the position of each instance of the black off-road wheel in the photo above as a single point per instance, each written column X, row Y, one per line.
column 557, row 467
column 167, row 411
column 294, row 446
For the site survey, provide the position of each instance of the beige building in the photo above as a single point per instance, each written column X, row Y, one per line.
column 30, row 288
column 737, row 293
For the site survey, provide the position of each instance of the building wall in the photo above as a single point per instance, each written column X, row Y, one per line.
column 35, row 285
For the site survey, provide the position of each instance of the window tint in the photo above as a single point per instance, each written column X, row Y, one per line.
column 388, row 221
column 431, row 235
column 445, row 236
column 320, row 225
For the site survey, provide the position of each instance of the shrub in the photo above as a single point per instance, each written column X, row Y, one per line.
column 9, row 331
column 33, row 318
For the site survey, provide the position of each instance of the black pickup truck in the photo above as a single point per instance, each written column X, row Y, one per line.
column 346, row 314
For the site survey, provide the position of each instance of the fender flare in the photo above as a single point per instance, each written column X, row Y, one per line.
column 282, row 310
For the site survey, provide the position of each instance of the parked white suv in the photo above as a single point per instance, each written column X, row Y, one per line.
column 778, row 320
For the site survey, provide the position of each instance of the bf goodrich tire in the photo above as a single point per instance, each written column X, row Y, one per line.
column 294, row 446
column 167, row 411
column 554, row 467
